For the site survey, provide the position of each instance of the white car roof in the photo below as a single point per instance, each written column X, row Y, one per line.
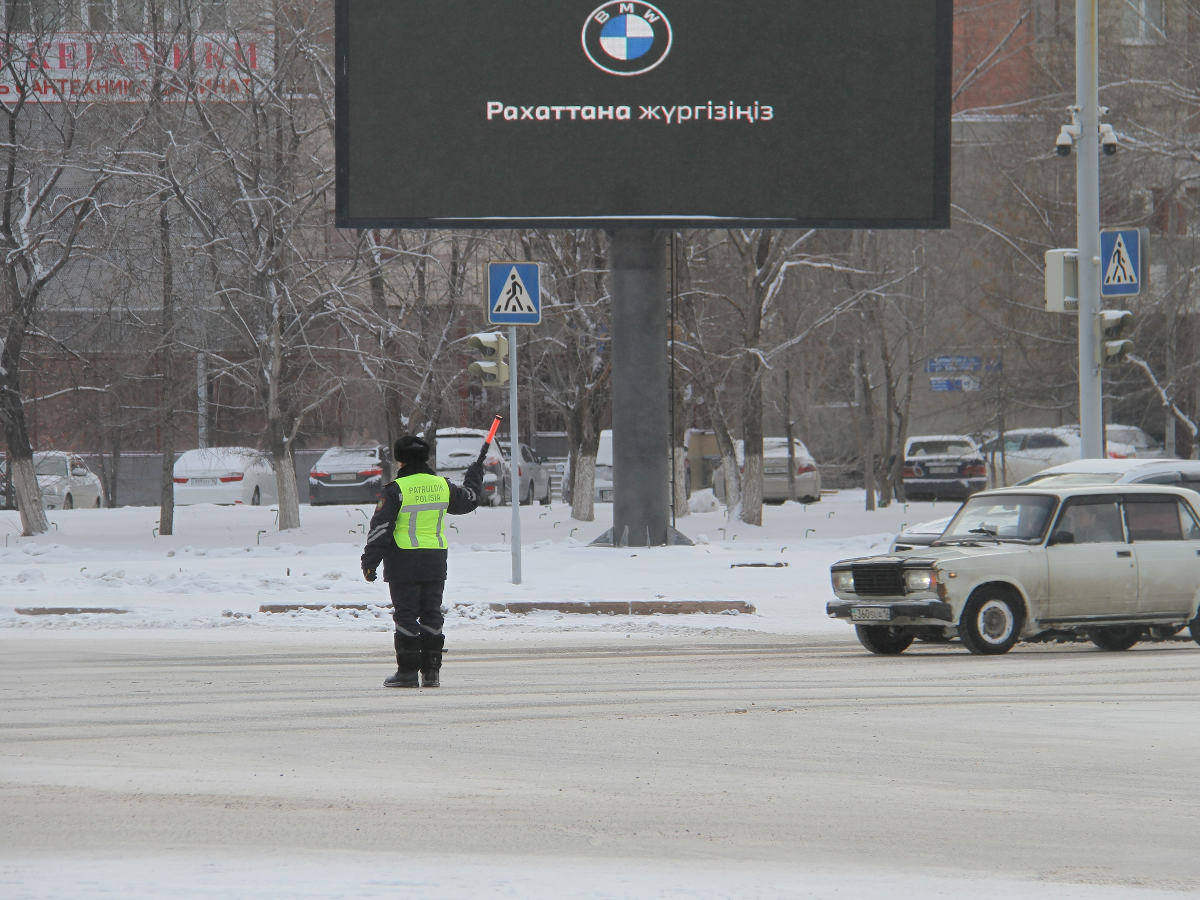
column 1111, row 466
column 1077, row 490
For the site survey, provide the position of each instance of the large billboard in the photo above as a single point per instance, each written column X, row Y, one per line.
column 828, row 113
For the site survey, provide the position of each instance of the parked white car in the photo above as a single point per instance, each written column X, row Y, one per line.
column 1113, row 564
column 457, row 448
column 65, row 481
column 1021, row 452
column 1142, row 444
column 226, row 475
column 775, row 471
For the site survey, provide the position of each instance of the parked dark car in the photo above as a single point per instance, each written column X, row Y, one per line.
column 349, row 475
column 942, row 467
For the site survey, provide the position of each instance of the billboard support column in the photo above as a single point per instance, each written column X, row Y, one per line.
column 641, row 397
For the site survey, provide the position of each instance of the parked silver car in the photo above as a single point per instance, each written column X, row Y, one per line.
column 532, row 474
column 775, row 485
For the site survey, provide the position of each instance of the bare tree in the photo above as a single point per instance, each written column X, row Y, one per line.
column 54, row 175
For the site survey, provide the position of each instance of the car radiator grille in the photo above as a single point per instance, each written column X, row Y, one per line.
column 879, row 580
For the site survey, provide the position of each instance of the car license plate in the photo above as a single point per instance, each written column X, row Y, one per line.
column 342, row 476
column 774, row 470
column 204, row 482
column 871, row 613
column 606, row 496
column 943, row 470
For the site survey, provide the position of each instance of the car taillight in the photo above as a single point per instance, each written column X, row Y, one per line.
column 315, row 474
column 1113, row 454
column 492, row 464
column 804, row 469
column 911, row 472
column 978, row 470
column 232, row 476
column 179, row 480
column 367, row 473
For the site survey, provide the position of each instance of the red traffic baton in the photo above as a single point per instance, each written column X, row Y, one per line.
column 487, row 441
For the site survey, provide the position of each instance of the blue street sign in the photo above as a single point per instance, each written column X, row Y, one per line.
column 1120, row 262
column 514, row 293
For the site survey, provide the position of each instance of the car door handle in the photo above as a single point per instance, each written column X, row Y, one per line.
column 1126, row 553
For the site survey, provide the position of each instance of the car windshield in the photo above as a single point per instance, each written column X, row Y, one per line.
column 1008, row 517
column 940, row 448
column 50, row 465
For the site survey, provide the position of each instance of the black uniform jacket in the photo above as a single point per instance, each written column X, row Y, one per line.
column 419, row 564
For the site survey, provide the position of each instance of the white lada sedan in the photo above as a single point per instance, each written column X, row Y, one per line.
column 1113, row 564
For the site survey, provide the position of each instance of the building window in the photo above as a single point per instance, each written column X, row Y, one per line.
column 1143, row 21
column 133, row 16
column 1046, row 20
column 37, row 16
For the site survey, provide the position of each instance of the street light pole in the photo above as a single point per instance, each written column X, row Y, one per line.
column 1087, row 184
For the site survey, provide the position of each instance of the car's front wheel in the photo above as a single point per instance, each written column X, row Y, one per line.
column 883, row 639
column 991, row 623
column 1116, row 637
column 256, row 499
column 68, row 502
column 1194, row 628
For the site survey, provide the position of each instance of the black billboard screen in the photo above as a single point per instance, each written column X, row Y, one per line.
column 682, row 112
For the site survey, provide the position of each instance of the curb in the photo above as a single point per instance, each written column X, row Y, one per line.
column 588, row 607
column 68, row 610
column 626, row 607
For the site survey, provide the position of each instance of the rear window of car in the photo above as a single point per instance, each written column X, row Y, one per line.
column 349, row 456
column 457, row 450
column 940, row 448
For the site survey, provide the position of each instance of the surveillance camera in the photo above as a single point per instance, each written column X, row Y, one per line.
column 1108, row 140
column 1062, row 146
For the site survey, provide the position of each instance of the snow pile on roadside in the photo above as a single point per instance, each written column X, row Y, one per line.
column 224, row 563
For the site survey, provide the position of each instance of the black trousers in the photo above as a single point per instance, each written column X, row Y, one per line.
column 417, row 606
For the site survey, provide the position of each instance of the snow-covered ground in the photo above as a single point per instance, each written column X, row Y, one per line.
column 223, row 563
column 206, row 583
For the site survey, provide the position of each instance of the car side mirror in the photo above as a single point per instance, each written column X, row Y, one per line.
column 1062, row 537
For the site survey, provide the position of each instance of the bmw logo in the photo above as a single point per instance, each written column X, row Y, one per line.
column 624, row 38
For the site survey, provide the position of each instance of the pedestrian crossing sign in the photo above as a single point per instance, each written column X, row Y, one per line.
column 514, row 293
column 1121, row 262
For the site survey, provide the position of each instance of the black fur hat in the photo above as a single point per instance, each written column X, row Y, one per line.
column 410, row 449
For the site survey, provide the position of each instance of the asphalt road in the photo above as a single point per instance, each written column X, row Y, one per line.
column 1063, row 764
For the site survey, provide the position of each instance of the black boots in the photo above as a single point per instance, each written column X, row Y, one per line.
column 431, row 659
column 408, row 661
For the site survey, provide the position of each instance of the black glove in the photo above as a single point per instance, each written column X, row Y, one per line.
column 473, row 478
column 369, row 574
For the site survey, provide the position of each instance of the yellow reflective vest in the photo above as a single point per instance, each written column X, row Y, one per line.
column 421, row 522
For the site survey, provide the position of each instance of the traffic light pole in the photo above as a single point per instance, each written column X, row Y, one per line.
column 1087, row 186
column 514, row 455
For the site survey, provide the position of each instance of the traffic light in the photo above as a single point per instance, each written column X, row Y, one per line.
column 493, row 347
column 1114, row 323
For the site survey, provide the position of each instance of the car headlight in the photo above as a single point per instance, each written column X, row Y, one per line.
column 917, row 580
column 843, row 580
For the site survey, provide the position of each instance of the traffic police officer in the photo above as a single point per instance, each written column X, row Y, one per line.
column 408, row 534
